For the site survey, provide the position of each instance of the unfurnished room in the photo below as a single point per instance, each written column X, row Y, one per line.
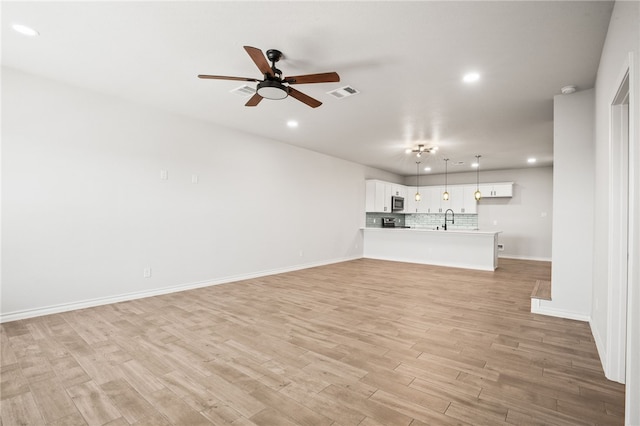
column 320, row 213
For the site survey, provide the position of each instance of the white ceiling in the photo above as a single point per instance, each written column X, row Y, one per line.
column 406, row 58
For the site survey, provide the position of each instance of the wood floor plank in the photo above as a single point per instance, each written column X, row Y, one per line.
column 94, row 405
column 52, row 400
column 20, row 410
column 363, row 342
column 177, row 411
column 128, row 401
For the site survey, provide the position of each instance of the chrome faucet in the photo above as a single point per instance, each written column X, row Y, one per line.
column 453, row 216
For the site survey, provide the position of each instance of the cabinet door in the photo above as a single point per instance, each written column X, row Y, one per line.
column 434, row 199
column 410, row 203
column 491, row 190
column 456, row 199
column 398, row 190
column 486, row 189
column 383, row 197
column 378, row 197
column 503, row 190
column 370, row 196
column 469, row 204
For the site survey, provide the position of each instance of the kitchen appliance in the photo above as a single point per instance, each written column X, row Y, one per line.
column 397, row 204
column 388, row 222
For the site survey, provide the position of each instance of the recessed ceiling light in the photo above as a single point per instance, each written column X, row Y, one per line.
column 471, row 77
column 292, row 123
column 427, row 169
column 474, row 165
column 531, row 160
column 24, row 30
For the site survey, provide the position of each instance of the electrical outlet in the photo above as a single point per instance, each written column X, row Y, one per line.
column 301, row 253
column 164, row 174
column 500, row 247
column 146, row 272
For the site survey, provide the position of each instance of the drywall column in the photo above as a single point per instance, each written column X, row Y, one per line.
column 573, row 194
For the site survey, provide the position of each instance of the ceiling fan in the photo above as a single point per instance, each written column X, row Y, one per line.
column 273, row 86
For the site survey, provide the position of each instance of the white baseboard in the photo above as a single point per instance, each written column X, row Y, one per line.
column 510, row 256
column 537, row 308
column 83, row 304
column 600, row 346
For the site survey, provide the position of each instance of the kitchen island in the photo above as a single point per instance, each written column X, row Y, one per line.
column 456, row 248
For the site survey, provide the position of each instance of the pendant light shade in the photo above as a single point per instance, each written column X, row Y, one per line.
column 445, row 194
column 418, row 196
column 477, row 195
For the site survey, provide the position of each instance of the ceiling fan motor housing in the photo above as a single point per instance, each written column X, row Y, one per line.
column 272, row 89
column 274, row 55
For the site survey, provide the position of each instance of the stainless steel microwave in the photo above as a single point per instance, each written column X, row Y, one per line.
column 397, row 204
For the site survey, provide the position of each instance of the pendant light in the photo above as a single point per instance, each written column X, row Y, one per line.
column 477, row 195
column 445, row 194
column 418, row 196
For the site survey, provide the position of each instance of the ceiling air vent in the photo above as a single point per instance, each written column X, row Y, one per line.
column 244, row 91
column 343, row 92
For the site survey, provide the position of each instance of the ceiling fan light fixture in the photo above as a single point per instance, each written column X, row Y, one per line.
column 270, row 89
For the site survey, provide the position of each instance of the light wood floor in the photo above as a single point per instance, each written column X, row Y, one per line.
column 364, row 342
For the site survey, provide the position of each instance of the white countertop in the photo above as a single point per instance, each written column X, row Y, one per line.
column 440, row 231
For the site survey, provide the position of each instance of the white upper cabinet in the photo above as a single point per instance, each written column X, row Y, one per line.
column 461, row 197
column 460, row 200
column 493, row 190
column 379, row 193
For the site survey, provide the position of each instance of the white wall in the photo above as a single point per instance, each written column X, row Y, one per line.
column 623, row 37
column 573, row 156
column 525, row 218
column 84, row 210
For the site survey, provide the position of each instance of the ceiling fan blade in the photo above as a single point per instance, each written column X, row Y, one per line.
column 325, row 77
column 259, row 59
column 313, row 103
column 255, row 100
column 223, row 77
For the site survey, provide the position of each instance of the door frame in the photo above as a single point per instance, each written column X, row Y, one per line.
column 622, row 362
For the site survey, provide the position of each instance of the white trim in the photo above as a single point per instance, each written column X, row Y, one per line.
column 537, row 308
column 615, row 346
column 539, row 259
column 632, row 389
column 600, row 343
column 65, row 307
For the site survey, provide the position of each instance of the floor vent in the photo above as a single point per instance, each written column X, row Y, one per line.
column 343, row 92
column 244, row 91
